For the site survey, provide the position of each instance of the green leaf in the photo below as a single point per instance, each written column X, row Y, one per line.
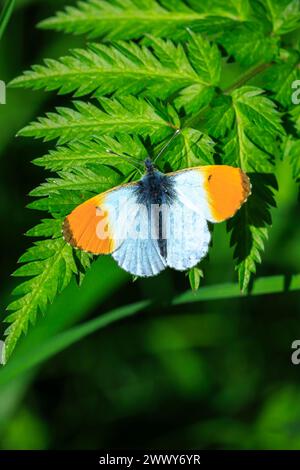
column 195, row 275
column 49, row 228
column 83, row 262
column 63, row 314
column 249, row 228
column 193, row 98
column 248, row 43
column 291, row 152
column 235, row 9
column 60, row 196
column 283, row 14
column 258, row 123
column 5, row 15
column 121, row 69
column 80, row 179
column 86, row 153
column 190, row 148
column 132, row 19
column 62, row 203
column 128, row 115
column 75, row 334
column 206, row 59
column 295, row 113
column 280, row 77
column 248, row 125
column 251, row 146
column 220, row 117
column 50, row 264
column 197, row 95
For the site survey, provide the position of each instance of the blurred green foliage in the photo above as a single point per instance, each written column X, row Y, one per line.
column 210, row 374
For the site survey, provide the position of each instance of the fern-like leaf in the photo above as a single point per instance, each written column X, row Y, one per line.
column 283, row 14
column 50, row 264
column 280, row 77
column 127, row 68
column 129, row 19
column 80, row 179
column 291, row 152
column 121, row 69
column 71, row 188
column 249, row 44
column 95, row 152
column 86, row 121
column 295, row 113
column 191, row 148
column 248, row 124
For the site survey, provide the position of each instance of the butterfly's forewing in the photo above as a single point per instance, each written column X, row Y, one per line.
column 113, row 222
column 218, row 191
column 92, row 226
column 207, row 193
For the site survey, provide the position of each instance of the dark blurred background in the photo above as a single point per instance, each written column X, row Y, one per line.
column 214, row 374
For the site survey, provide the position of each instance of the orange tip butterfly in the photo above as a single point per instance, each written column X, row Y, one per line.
column 159, row 221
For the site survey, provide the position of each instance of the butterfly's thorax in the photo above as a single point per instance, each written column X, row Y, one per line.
column 155, row 188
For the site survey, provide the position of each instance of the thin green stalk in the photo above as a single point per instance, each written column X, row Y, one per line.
column 247, row 77
column 5, row 15
column 261, row 286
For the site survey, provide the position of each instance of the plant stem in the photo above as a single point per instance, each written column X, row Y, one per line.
column 192, row 120
column 246, row 77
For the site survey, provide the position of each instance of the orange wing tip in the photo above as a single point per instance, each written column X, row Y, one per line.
column 247, row 186
column 227, row 189
column 81, row 229
column 68, row 234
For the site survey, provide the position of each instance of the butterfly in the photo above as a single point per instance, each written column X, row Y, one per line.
column 159, row 221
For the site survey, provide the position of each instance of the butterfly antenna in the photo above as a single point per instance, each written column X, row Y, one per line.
column 167, row 144
column 134, row 162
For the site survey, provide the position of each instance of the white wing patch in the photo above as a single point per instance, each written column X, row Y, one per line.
column 189, row 236
column 190, row 191
column 188, row 239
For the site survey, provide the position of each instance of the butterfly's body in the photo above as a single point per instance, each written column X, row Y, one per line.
column 156, row 190
column 160, row 220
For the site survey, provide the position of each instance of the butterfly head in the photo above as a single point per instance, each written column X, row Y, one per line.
column 149, row 166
